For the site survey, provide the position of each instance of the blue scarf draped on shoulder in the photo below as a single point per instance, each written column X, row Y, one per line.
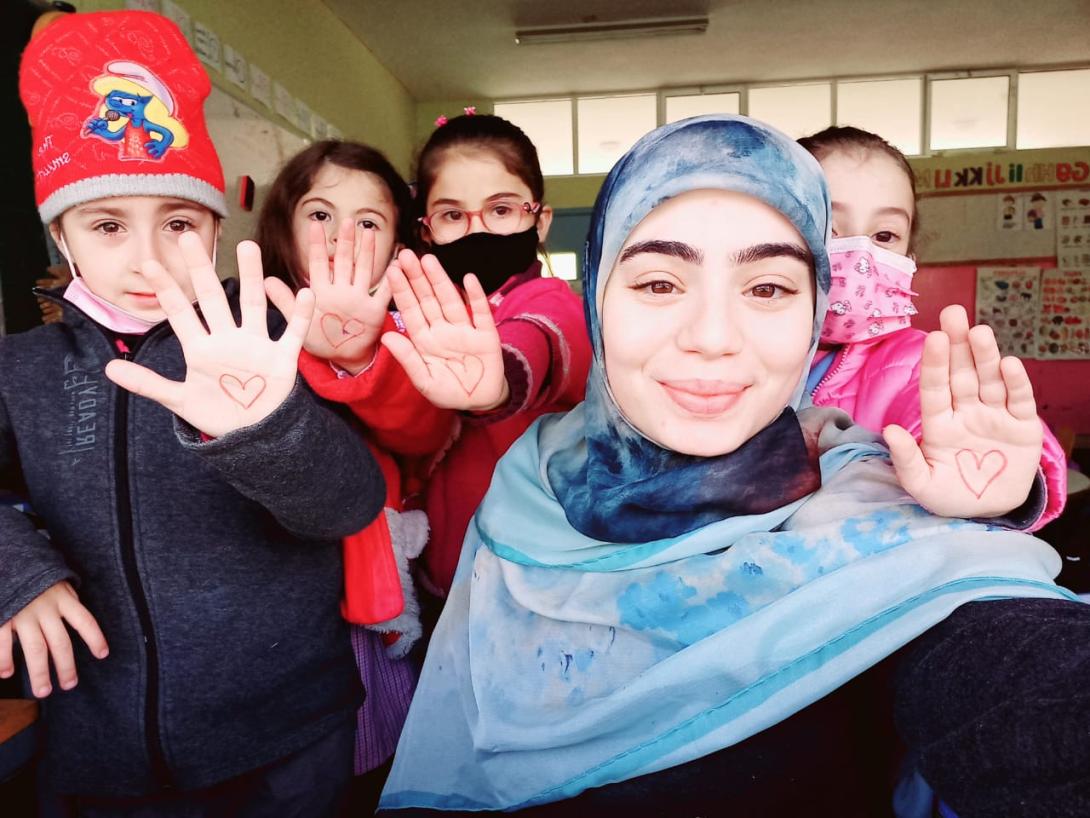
column 620, row 608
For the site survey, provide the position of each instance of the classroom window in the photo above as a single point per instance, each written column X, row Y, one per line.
column 893, row 109
column 683, row 107
column 548, row 124
column 564, row 265
column 1052, row 110
column 797, row 110
column 609, row 126
column 969, row 113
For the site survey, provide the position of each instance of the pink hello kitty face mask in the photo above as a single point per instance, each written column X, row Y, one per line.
column 870, row 294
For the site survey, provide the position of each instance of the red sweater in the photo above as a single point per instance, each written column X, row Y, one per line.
column 547, row 358
column 400, row 424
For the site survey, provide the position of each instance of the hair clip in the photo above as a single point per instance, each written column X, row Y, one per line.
column 441, row 120
column 470, row 111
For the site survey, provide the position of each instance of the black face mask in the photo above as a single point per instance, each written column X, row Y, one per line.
column 493, row 259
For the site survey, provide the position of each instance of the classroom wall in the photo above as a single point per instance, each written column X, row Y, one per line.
column 305, row 46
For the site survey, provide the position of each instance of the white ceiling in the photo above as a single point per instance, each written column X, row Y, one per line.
column 454, row 49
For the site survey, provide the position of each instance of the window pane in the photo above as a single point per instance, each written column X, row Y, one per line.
column 609, row 126
column 797, row 110
column 697, row 104
column 564, row 265
column 969, row 113
column 1052, row 109
column 548, row 124
column 890, row 108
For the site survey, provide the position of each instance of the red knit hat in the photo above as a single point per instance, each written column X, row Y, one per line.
column 116, row 104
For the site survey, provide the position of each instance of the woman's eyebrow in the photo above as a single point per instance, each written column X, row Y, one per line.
column 677, row 249
column 760, row 252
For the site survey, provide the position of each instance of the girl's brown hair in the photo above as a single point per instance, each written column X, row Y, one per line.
column 484, row 132
column 274, row 225
column 848, row 139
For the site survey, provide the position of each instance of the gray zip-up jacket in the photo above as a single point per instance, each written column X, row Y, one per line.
column 214, row 568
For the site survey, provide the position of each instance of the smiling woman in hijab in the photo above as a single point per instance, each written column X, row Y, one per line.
column 685, row 563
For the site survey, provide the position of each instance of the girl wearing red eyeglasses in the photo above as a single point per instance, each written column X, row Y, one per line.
column 482, row 221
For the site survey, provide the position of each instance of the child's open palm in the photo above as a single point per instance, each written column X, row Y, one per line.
column 348, row 319
column 452, row 354
column 981, row 437
column 235, row 374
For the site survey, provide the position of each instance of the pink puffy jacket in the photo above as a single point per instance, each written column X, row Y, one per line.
column 878, row 383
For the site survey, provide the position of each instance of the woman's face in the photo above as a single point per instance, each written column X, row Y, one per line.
column 707, row 320
column 344, row 193
column 872, row 197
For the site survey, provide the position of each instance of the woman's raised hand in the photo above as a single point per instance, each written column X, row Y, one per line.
column 452, row 354
column 981, row 438
column 235, row 374
column 348, row 316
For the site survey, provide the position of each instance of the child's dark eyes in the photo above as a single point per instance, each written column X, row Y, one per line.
column 320, row 216
column 108, row 228
column 367, row 224
column 179, row 225
column 885, row 237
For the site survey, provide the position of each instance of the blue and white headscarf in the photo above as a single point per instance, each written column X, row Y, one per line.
column 564, row 661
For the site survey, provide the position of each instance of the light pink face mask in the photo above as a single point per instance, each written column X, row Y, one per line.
column 103, row 312
column 870, row 293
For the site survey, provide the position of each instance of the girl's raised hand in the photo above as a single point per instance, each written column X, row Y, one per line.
column 981, row 442
column 452, row 354
column 348, row 318
column 235, row 374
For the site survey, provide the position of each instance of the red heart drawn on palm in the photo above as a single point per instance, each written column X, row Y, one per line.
column 338, row 331
column 979, row 472
column 468, row 370
column 244, row 393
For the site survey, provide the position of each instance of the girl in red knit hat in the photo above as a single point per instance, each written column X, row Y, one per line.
column 194, row 490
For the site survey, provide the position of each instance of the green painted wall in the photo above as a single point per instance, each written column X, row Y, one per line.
column 305, row 47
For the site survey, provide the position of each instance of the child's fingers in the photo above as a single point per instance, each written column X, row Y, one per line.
column 478, row 303
column 281, row 295
column 180, row 313
column 344, row 254
column 60, row 650
column 935, row 399
column 405, row 299
column 317, row 256
column 992, row 390
column 298, row 322
column 36, row 656
column 364, row 266
column 409, row 357
column 206, row 284
column 912, row 470
column 85, row 624
column 1020, row 401
column 142, row 381
column 252, row 304
column 7, row 661
column 964, row 385
column 382, row 293
column 449, row 298
column 413, row 268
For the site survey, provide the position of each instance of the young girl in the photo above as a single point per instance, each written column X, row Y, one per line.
column 480, row 196
column 333, row 219
column 664, row 586
column 198, row 514
column 875, row 367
